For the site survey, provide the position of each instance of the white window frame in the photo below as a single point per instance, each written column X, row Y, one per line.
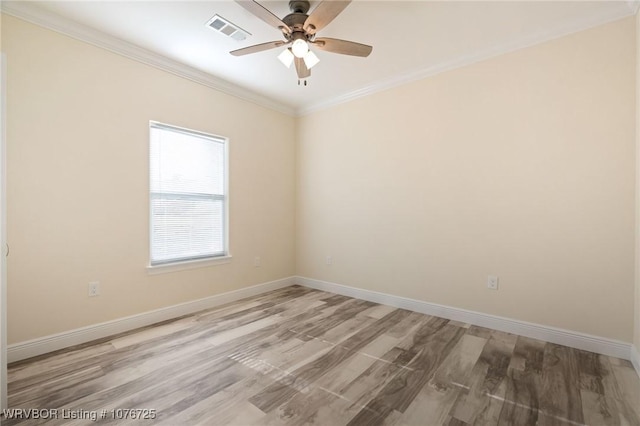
column 179, row 264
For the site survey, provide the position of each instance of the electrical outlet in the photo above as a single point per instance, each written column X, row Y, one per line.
column 257, row 262
column 329, row 260
column 94, row 288
column 492, row 282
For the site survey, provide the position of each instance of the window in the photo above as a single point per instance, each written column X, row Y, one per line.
column 188, row 181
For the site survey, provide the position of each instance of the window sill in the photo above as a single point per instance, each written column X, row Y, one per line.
column 186, row 265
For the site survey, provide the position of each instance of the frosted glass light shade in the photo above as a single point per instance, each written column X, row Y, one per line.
column 310, row 59
column 286, row 57
column 299, row 48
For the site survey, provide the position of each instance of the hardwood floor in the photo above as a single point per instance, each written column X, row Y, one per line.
column 299, row 356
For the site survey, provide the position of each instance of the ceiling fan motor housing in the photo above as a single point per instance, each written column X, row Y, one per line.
column 296, row 21
column 299, row 6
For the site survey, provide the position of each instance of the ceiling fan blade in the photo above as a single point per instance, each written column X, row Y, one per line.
column 263, row 13
column 323, row 15
column 258, row 48
column 343, row 47
column 301, row 68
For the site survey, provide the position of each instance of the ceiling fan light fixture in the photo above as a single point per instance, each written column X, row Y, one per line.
column 310, row 59
column 286, row 57
column 299, row 48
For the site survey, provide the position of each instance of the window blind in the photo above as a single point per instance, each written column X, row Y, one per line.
column 187, row 192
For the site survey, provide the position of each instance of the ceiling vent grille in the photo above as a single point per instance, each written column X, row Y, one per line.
column 223, row 26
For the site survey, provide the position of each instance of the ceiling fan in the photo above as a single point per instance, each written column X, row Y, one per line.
column 299, row 30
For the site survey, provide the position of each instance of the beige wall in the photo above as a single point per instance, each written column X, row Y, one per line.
column 637, row 216
column 520, row 166
column 78, row 180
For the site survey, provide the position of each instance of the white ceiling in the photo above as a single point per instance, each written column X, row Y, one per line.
column 410, row 39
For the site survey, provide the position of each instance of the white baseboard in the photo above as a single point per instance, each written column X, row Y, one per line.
column 601, row 345
column 559, row 336
column 635, row 359
column 43, row 345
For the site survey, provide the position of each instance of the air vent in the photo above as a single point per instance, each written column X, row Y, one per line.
column 223, row 26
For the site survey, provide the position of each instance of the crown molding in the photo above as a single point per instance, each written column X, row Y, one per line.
column 493, row 51
column 30, row 12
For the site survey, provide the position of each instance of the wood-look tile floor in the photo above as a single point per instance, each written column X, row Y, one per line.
column 298, row 356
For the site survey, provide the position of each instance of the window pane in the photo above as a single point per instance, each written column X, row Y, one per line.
column 186, row 228
column 183, row 163
column 188, row 203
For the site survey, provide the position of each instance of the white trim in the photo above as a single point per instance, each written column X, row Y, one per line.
column 43, row 345
column 464, row 60
column 3, row 232
column 601, row 345
column 559, row 336
column 635, row 359
column 30, row 12
column 634, row 5
column 186, row 265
